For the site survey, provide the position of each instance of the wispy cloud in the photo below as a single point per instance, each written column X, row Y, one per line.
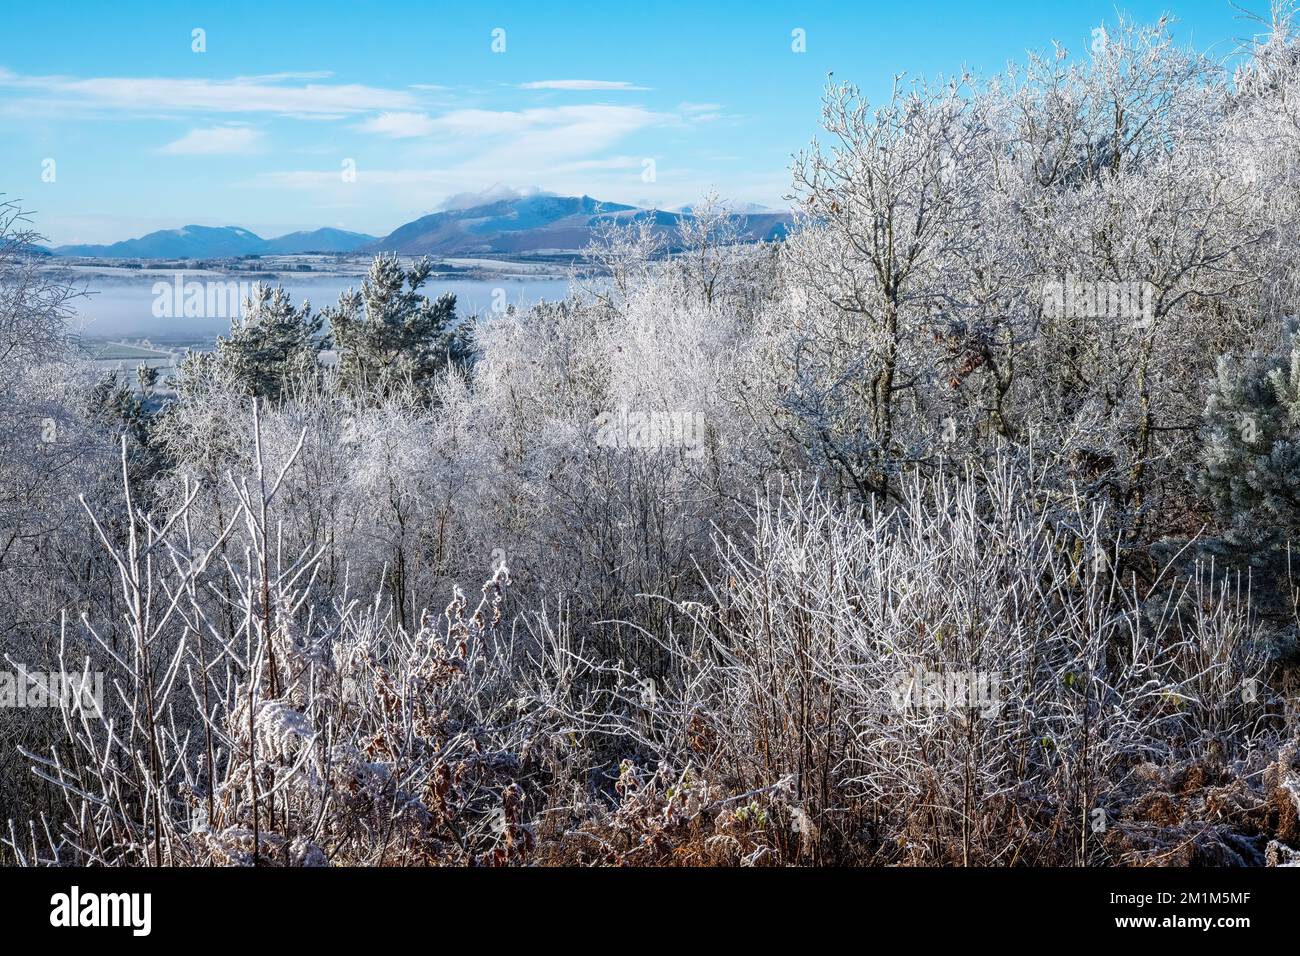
column 580, row 85
column 291, row 94
column 218, row 140
column 704, row 112
column 399, row 125
column 543, row 134
column 494, row 193
column 570, row 147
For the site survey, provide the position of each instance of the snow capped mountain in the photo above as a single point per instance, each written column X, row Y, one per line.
column 541, row 222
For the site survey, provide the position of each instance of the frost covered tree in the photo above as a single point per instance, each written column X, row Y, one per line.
column 49, row 446
column 390, row 334
column 1251, row 458
column 272, row 344
column 1130, row 181
column 146, row 376
column 892, row 211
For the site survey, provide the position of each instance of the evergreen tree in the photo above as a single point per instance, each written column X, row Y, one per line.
column 1251, row 460
column 273, row 343
column 389, row 334
column 114, row 405
column 147, row 376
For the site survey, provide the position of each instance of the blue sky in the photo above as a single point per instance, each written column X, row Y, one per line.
column 145, row 133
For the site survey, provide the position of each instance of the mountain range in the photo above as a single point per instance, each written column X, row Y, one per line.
column 542, row 223
column 536, row 223
column 199, row 242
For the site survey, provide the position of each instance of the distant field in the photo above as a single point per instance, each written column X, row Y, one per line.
column 114, row 351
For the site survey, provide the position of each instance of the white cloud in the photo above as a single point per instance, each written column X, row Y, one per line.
column 494, row 193
column 282, row 93
column 580, row 85
column 218, row 140
column 548, row 134
column 593, row 148
column 704, row 112
column 399, row 125
column 543, row 134
column 463, row 149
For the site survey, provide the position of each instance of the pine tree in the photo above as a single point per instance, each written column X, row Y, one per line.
column 114, row 405
column 389, row 335
column 273, row 344
column 147, row 376
column 1251, row 462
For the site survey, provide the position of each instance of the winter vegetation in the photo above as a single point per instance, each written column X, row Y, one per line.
column 955, row 529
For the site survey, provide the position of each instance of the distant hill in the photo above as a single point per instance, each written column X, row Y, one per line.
column 744, row 208
column 541, row 223
column 509, row 226
column 211, row 242
column 185, row 243
column 318, row 240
